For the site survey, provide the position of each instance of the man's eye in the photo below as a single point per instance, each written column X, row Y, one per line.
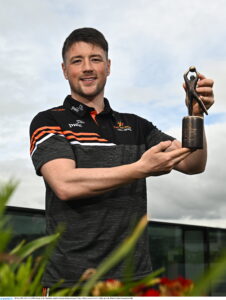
column 96, row 59
column 76, row 61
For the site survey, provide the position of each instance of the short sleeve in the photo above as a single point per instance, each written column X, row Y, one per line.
column 47, row 141
column 153, row 135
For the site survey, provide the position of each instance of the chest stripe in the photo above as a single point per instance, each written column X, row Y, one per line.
column 38, row 138
column 86, row 139
column 80, row 133
column 43, row 128
column 92, row 144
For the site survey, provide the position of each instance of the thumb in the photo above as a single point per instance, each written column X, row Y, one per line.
column 162, row 146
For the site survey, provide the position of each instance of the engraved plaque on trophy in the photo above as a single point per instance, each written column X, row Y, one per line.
column 192, row 126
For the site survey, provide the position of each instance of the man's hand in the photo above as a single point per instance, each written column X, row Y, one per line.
column 205, row 91
column 158, row 161
column 69, row 182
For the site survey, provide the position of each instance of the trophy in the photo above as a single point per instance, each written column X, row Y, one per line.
column 192, row 126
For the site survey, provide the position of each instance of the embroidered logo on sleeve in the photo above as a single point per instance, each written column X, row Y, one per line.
column 121, row 127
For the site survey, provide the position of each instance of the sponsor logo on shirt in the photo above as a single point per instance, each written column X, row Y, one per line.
column 77, row 108
column 122, row 127
column 79, row 123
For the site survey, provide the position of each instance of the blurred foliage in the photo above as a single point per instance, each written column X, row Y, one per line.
column 21, row 271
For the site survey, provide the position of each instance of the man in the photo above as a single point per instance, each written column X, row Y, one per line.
column 94, row 162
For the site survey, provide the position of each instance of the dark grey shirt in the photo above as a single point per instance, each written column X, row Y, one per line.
column 95, row 226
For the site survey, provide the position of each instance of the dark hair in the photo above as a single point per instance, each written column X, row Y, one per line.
column 87, row 35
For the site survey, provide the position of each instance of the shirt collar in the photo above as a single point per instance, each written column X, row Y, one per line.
column 81, row 109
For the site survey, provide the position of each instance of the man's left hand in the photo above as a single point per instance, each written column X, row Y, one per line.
column 205, row 91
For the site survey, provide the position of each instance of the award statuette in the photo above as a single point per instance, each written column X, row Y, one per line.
column 192, row 126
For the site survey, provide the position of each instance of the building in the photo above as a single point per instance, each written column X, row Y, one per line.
column 183, row 250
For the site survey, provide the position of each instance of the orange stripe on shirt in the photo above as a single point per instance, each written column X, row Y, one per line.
column 57, row 130
column 36, row 138
column 80, row 133
column 86, row 139
column 45, row 127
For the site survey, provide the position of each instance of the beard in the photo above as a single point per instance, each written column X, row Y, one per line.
column 89, row 95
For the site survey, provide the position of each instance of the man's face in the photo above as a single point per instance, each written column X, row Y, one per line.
column 86, row 67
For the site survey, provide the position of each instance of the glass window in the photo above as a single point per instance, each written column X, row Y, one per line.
column 194, row 253
column 182, row 250
column 166, row 248
column 217, row 243
column 26, row 225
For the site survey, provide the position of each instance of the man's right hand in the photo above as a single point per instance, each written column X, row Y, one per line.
column 158, row 161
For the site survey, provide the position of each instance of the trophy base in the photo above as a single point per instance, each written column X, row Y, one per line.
column 192, row 132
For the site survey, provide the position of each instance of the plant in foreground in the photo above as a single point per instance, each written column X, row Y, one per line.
column 20, row 273
column 147, row 287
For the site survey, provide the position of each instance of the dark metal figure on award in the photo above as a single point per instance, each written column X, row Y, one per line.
column 192, row 126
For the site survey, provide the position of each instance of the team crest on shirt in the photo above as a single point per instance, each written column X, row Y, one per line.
column 122, row 127
column 79, row 123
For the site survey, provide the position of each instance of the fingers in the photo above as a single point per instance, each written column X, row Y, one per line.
column 201, row 76
column 157, row 160
column 175, row 155
column 181, row 152
column 204, row 80
column 205, row 83
column 208, row 101
column 162, row 146
column 181, row 157
column 205, row 86
column 205, row 91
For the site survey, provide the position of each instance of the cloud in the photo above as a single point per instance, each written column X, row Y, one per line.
column 151, row 45
column 30, row 191
column 196, row 197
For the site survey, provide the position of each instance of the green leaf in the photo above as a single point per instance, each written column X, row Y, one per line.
column 18, row 247
column 19, row 278
column 29, row 248
column 148, row 279
column 6, row 191
column 62, row 292
column 35, row 286
column 210, row 278
column 116, row 256
column 7, row 280
column 23, row 275
column 5, row 239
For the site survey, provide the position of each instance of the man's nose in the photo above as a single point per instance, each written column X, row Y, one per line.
column 87, row 66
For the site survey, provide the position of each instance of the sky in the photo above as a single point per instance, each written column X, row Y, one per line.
column 152, row 43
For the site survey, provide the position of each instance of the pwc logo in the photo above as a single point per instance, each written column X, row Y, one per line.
column 79, row 123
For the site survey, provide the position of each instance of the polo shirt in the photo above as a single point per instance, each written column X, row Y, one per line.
column 94, row 226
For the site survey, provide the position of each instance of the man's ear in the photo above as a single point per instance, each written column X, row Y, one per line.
column 64, row 70
column 109, row 67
